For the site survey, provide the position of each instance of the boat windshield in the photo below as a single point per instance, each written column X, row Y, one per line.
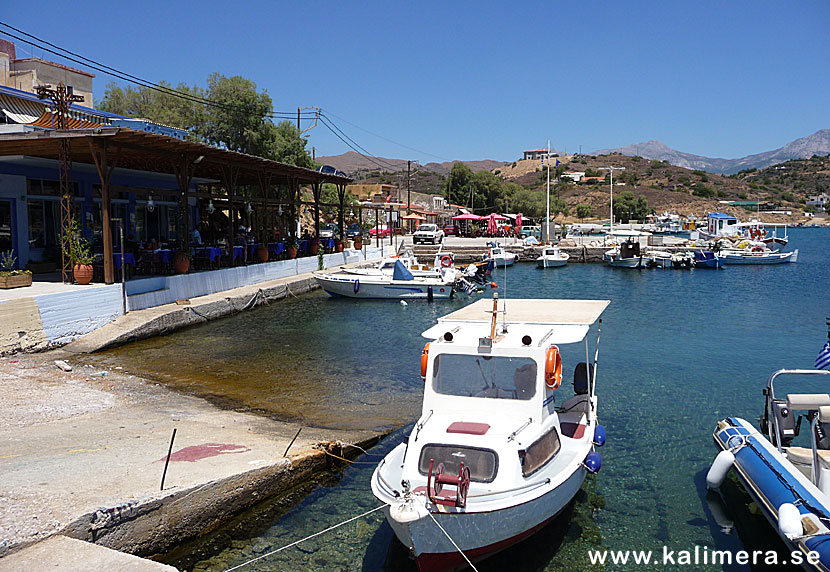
column 500, row 377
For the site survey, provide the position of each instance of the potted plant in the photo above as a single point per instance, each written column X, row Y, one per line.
column 313, row 246
column 358, row 242
column 262, row 253
column 76, row 249
column 11, row 277
column 181, row 262
column 291, row 246
column 338, row 245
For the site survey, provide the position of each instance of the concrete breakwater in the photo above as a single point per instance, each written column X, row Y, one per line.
column 83, row 455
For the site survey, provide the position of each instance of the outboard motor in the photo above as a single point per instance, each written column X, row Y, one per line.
column 582, row 375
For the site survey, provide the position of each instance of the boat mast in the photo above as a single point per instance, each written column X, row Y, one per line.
column 547, row 220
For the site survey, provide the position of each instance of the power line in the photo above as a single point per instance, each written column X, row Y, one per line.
column 355, row 145
column 387, row 139
column 371, row 158
column 147, row 84
column 113, row 72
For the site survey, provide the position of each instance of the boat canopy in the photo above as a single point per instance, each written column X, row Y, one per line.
column 557, row 321
column 401, row 272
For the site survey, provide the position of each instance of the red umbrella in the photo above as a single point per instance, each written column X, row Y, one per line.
column 491, row 223
column 519, row 219
column 467, row 216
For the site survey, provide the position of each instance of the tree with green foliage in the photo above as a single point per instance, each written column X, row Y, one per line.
column 458, row 184
column 238, row 120
column 627, row 206
column 583, row 211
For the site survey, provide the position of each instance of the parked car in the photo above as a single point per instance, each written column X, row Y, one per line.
column 381, row 230
column 428, row 233
column 451, row 230
column 353, row 230
column 526, row 231
column 331, row 230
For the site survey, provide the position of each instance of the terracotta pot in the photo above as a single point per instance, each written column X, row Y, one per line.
column 358, row 243
column 313, row 246
column 291, row 251
column 338, row 246
column 262, row 253
column 82, row 273
column 181, row 263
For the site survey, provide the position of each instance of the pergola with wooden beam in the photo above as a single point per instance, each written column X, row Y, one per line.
column 114, row 148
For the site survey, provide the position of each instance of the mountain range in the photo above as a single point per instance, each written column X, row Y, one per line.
column 816, row 144
column 350, row 162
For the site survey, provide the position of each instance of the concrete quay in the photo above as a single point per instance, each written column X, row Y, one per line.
column 82, row 456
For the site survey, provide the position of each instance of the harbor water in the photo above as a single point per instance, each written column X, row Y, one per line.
column 679, row 350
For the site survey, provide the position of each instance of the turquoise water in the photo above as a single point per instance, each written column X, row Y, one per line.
column 679, row 351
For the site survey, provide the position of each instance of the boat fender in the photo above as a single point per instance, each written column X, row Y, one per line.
column 493, row 285
column 789, row 521
column 407, row 511
column 356, row 286
column 446, row 261
column 599, row 436
column 720, row 466
column 593, row 462
column 404, row 304
column 553, row 368
column 424, row 361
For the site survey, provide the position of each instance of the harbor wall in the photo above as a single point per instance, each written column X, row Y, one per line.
column 50, row 320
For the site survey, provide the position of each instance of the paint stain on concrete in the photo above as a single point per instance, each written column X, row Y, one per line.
column 198, row 452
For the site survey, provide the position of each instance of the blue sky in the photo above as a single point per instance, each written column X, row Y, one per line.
column 483, row 80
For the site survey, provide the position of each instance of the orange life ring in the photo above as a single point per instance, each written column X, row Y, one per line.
column 424, row 360
column 757, row 249
column 446, row 261
column 553, row 368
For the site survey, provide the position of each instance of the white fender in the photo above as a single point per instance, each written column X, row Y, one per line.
column 407, row 511
column 789, row 521
column 720, row 466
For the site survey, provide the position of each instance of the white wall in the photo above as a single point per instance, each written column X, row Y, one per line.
column 157, row 291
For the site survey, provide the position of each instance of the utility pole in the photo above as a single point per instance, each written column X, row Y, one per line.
column 62, row 97
column 298, row 119
column 612, row 169
column 408, row 186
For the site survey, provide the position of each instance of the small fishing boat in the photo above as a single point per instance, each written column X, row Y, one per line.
column 493, row 458
column 707, row 259
column 757, row 254
column 665, row 259
column 552, row 257
column 401, row 284
column 627, row 255
column 789, row 482
column 500, row 256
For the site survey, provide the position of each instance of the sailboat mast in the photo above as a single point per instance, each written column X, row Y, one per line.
column 547, row 220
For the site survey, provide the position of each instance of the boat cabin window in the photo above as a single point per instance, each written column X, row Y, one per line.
column 540, row 452
column 500, row 377
column 483, row 463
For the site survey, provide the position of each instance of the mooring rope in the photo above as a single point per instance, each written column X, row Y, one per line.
column 453, row 542
column 329, row 529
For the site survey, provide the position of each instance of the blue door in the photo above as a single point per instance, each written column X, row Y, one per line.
column 7, row 230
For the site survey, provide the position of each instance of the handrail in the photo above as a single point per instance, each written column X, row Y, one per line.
column 771, row 396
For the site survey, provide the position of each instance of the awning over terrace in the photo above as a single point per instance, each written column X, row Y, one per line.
column 109, row 148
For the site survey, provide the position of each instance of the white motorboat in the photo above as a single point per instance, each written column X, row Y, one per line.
column 402, row 284
column 666, row 259
column 627, row 255
column 386, row 266
column 492, row 458
column 500, row 256
column 552, row 257
column 757, row 255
